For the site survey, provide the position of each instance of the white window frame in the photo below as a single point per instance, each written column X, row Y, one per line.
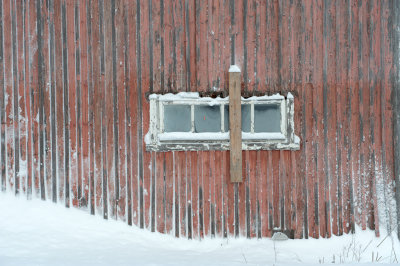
column 158, row 140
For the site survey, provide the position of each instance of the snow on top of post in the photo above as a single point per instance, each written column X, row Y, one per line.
column 234, row 68
column 290, row 96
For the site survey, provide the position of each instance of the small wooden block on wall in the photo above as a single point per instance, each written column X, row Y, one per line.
column 235, row 124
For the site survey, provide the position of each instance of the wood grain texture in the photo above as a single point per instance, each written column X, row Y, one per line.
column 75, row 77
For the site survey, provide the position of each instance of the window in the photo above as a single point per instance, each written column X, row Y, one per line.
column 186, row 121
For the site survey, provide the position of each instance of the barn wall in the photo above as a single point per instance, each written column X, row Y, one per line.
column 74, row 81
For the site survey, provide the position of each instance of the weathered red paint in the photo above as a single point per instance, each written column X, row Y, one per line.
column 335, row 57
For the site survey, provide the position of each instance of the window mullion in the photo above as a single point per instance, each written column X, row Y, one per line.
column 192, row 116
column 252, row 117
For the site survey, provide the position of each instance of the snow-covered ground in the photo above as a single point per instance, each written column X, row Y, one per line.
column 42, row 233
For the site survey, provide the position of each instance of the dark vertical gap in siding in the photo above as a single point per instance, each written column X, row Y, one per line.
column 396, row 104
column 153, row 191
column 91, row 115
column 151, row 32
column 66, row 116
column 103, row 111
column 325, row 112
column 53, row 107
column 139, row 111
column 127, row 118
column 187, row 41
column 279, row 46
column 41, row 74
column 115, row 103
column 232, row 33
column 78, row 100
column 245, row 72
column 15, row 94
column 2, row 104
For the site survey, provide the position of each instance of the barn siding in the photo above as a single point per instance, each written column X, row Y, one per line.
column 74, row 83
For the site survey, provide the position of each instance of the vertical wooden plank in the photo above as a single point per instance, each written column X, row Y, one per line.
column 97, row 114
column 201, row 45
column 270, row 199
column 119, row 108
column 329, row 98
column 8, row 80
column 195, row 176
column 275, row 189
column 342, row 110
column 213, row 173
column 45, row 98
column 252, row 186
column 240, row 201
column 109, row 109
column 70, row 113
column 28, row 121
column 133, row 111
column 160, row 189
column 318, row 109
column 52, row 117
column 218, row 202
column 22, row 119
column 374, row 111
column 14, row 133
column 177, row 173
column 298, row 39
column 102, row 110
column 206, row 193
column 169, row 192
column 189, row 179
column 388, row 64
column 85, row 68
column 395, row 79
column 59, row 113
column 143, row 110
column 127, row 114
column 364, row 103
column 65, row 109
column 263, row 186
column 2, row 102
column 182, row 175
column 90, row 30
column 201, row 169
column 354, row 126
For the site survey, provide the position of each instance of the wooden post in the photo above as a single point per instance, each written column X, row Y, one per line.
column 235, row 122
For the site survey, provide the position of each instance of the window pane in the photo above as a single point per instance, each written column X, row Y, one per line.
column 246, row 117
column 207, row 118
column 267, row 118
column 177, row 118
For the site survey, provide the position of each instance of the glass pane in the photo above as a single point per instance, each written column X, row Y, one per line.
column 267, row 118
column 207, row 118
column 177, row 118
column 246, row 117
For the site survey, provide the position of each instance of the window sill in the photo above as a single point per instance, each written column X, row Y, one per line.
column 220, row 141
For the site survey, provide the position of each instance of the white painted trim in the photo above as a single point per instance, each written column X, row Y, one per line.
column 157, row 139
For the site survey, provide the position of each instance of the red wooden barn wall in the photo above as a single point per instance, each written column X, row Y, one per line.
column 75, row 76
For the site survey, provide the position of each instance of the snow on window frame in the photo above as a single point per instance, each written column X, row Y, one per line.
column 158, row 140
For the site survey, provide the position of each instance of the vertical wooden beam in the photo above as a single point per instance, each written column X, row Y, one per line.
column 235, row 121
column 396, row 106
